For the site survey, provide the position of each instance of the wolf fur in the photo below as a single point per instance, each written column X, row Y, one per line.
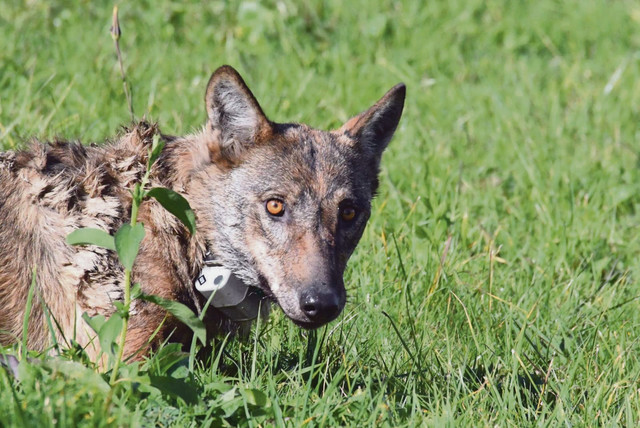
column 228, row 171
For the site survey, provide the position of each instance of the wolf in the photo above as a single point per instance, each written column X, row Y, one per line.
column 282, row 205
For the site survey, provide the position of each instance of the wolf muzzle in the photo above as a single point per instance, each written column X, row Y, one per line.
column 321, row 306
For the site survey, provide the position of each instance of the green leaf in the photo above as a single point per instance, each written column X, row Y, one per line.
column 169, row 360
column 230, row 402
column 182, row 313
column 256, row 397
column 176, row 205
column 127, row 240
column 122, row 309
column 95, row 322
column 91, row 236
column 175, row 387
column 75, row 374
column 156, row 149
column 109, row 333
column 135, row 291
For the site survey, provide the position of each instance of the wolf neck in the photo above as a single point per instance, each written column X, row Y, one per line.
column 191, row 166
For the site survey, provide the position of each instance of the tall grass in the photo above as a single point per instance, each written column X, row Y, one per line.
column 497, row 281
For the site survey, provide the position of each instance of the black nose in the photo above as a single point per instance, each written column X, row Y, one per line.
column 320, row 307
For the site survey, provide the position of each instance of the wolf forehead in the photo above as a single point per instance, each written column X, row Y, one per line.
column 320, row 162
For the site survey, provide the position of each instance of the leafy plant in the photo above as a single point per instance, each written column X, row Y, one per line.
column 126, row 243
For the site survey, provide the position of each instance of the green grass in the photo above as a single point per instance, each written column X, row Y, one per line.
column 497, row 282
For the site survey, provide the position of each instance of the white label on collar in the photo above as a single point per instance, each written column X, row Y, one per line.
column 229, row 289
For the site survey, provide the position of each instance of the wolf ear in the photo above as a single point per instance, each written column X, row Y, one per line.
column 374, row 128
column 234, row 112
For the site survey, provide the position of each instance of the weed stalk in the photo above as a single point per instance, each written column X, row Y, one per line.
column 116, row 32
column 138, row 195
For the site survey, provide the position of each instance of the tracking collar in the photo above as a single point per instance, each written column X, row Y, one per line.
column 231, row 296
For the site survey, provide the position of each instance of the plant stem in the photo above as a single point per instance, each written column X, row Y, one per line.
column 134, row 212
column 116, row 32
column 125, row 325
column 127, row 301
column 137, row 196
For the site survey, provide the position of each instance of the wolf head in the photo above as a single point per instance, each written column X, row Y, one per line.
column 289, row 203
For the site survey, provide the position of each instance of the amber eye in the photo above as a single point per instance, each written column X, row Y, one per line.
column 275, row 207
column 348, row 213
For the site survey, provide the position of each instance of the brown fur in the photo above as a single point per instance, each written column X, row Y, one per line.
column 224, row 171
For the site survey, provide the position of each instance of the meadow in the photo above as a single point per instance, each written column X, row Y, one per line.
column 497, row 283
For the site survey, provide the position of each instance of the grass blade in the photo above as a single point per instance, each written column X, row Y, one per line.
column 181, row 312
column 27, row 314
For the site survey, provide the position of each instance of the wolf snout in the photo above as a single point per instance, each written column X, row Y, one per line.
column 320, row 307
